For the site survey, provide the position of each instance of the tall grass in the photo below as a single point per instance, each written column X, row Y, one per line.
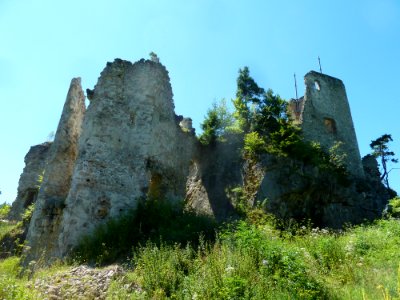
column 253, row 261
column 247, row 259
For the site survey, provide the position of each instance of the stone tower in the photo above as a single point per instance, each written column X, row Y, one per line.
column 131, row 148
column 325, row 117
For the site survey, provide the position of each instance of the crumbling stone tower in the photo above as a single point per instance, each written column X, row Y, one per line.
column 131, row 148
column 325, row 117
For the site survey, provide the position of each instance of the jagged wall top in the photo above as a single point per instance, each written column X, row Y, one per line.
column 118, row 68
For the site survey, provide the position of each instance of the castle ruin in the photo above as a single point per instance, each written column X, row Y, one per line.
column 324, row 116
column 129, row 146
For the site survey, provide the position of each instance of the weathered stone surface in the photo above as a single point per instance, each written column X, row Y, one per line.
column 30, row 180
column 215, row 172
column 131, row 148
column 374, row 190
column 301, row 191
column 325, row 117
column 43, row 230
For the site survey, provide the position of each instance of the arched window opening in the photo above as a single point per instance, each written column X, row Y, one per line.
column 317, row 86
column 330, row 125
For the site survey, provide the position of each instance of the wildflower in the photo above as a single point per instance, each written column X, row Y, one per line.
column 265, row 262
column 229, row 268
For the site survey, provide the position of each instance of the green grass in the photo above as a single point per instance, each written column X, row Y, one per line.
column 11, row 285
column 248, row 259
column 6, row 227
column 256, row 261
column 12, row 233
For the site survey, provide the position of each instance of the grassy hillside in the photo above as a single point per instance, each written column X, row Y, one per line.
column 256, row 258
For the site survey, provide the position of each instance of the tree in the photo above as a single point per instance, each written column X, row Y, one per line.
column 216, row 122
column 248, row 95
column 380, row 150
column 270, row 112
column 263, row 112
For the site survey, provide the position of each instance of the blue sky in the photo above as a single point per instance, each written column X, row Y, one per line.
column 203, row 43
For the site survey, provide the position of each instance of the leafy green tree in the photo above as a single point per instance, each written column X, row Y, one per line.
column 248, row 95
column 257, row 109
column 217, row 121
column 254, row 145
column 380, row 149
column 263, row 112
column 270, row 113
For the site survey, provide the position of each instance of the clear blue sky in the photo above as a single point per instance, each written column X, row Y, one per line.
column 203, row 43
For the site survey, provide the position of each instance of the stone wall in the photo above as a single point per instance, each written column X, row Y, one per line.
column 44, row 226
column 131, row 148
column 325, row 117
column 30, row 180
column 216, row 170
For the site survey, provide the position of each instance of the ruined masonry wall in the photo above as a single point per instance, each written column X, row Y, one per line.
column 44, row 226
column 131, row 147
column 326, row 117
column 30, row 180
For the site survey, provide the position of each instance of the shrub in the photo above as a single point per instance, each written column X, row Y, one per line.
column 394, row 207
column 4, row 210
column 254, row 145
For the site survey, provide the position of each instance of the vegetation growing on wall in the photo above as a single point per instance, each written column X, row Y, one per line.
column 262, row 117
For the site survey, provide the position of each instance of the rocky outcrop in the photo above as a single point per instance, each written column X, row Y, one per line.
column 131, row 148
column 30, row 180
column 44, row 227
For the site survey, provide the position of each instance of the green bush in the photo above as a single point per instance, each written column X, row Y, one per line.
column 394, row 207
column 4, row 210
column 254, row 145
